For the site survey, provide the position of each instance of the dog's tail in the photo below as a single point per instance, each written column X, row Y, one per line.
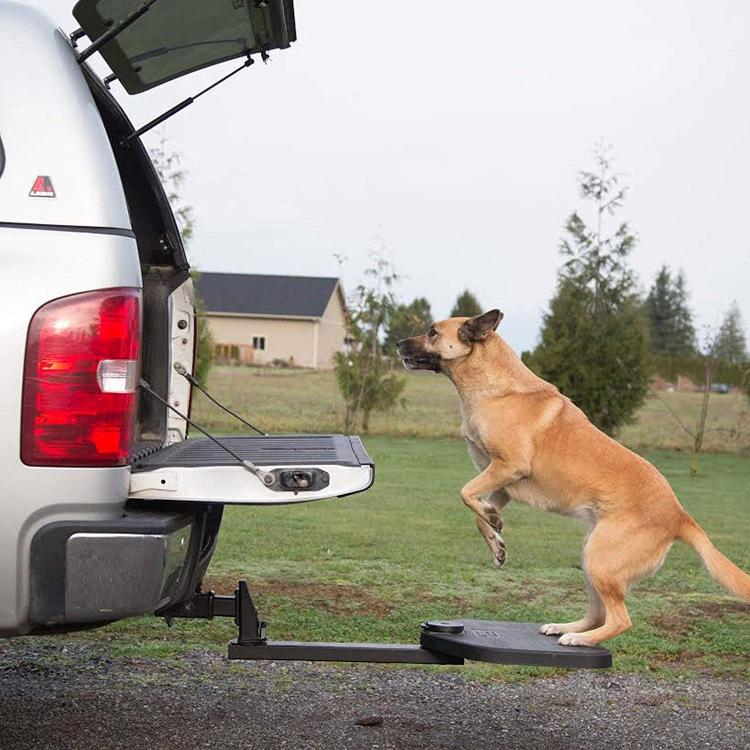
column 719, row 567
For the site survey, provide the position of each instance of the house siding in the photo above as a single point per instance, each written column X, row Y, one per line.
column 285, row 339
column 303, row 341
column 331, row 331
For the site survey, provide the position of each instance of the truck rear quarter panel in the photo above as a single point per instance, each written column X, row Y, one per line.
column 37, row 266
column 78, row 241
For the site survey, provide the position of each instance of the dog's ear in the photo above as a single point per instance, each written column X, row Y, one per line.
column 476, row 329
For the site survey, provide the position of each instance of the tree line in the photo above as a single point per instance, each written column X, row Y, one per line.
column 416, row 317
column 601, row 338
column 671, row 323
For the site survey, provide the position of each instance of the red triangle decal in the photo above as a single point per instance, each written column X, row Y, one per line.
column 42, row 188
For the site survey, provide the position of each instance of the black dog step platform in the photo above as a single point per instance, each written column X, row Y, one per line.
column 480, row 640
column 509, row 643
column 441, row 642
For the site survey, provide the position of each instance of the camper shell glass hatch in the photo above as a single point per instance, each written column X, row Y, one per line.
column 172, row 39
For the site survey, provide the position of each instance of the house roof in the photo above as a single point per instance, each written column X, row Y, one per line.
column 260, row 294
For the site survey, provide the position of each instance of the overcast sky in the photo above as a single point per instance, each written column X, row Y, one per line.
column 453, row 132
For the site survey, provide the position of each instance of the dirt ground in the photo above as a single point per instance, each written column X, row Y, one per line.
column 65, row 696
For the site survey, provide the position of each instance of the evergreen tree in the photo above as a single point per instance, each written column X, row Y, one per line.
column 594, row 338
column 684, row 327
column 730, row 342
column 467, row 306
column 670, row 318
column 407, row 320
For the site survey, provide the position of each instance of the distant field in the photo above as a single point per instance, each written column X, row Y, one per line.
column 372, row 566
column 308, row 401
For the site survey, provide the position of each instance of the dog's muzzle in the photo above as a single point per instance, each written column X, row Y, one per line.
column 415, row 358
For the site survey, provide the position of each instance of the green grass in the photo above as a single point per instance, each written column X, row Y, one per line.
column 372, row 566
column 307, row 401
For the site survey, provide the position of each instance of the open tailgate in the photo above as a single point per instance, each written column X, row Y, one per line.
column 309, row 467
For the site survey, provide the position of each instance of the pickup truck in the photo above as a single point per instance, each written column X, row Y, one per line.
column 108, row 509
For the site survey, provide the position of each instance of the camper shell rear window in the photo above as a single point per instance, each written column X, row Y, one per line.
column 175, row 38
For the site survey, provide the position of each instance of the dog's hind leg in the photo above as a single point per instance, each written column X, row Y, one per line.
column 616, row 617
column 593, row 619
column 617, row 552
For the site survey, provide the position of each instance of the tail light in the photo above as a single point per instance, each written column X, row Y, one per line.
column 80, row 380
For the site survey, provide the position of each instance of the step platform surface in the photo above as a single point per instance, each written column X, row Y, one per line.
column 511, row 643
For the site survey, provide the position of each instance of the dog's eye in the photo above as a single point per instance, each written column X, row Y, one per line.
column 432, row 333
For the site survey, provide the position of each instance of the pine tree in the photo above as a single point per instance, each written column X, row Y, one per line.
column 670, row 318
column 594, row 338
column 684, row 327
column 407, row 320
column 467, row 306
column 731, row 345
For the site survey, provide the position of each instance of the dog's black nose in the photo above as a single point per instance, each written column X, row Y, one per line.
column 399, row 344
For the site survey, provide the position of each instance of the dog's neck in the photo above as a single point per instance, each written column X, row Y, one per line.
column 491, row 368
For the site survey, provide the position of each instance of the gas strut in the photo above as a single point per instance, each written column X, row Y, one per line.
column 112, row 32
column 266, row 477
column 185, row 103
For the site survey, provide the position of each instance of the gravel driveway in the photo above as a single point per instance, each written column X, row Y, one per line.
column 63, row 696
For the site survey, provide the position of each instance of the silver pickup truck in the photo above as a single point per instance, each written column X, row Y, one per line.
column 108, row 510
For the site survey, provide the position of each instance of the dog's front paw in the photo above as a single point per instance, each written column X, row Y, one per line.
column 573, row 639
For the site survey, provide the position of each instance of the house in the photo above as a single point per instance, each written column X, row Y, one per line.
column 260, row 319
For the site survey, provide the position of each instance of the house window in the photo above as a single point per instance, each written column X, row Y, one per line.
column 259, row 343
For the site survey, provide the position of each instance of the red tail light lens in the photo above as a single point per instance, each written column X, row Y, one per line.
column 80, row 380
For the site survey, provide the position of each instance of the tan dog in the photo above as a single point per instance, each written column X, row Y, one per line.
column 532, row 444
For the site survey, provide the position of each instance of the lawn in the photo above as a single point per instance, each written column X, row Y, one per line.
column 307, row 401
column 372, row 566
